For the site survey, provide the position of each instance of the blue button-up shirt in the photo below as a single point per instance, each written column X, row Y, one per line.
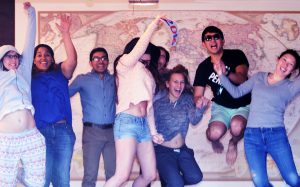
column 98, row 97
column 50, row 98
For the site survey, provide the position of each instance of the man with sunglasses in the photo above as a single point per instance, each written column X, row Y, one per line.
column 226, row 112
column 98, row 98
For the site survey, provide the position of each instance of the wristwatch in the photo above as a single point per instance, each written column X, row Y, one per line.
column 227, row 72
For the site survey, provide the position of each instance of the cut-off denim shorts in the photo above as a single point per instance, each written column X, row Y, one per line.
column 130, row 126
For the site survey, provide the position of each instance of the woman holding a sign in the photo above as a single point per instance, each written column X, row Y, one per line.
column 134, row 128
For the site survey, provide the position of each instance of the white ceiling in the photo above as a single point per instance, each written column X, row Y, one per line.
column 226, row 5
column 160, row 1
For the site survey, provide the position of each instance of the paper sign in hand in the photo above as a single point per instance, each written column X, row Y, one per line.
column 174, row 29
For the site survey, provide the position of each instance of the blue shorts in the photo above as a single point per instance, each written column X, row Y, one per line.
column 224, row 114
column 130, row 126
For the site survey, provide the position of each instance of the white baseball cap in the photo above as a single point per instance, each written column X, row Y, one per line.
column 5, row 48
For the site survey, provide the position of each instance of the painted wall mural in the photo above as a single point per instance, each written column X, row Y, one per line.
column 261, row 35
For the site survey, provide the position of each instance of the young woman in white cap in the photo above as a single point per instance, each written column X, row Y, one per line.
column 20, row 141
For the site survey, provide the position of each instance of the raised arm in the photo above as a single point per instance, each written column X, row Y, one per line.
column 27, row 54
column 132, row 58
column 68, row 66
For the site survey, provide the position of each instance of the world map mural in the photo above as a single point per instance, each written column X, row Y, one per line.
column 261, row 35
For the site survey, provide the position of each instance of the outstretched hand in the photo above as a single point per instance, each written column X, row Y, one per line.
column 65, row 24
column 158, row 19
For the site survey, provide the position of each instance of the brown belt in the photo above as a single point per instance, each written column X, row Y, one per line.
column 101, row 126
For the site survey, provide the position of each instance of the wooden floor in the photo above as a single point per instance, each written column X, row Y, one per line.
column 202, row 184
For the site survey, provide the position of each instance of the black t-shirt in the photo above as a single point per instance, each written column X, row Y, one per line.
column 205, row 75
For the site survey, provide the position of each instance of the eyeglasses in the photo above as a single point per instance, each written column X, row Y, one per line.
column 13, row 56
column 145, row 62
column 98, row 59
column 214, row 37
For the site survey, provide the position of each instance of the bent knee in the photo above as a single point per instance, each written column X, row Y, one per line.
column 149, row 176
column 193, row 179
column 293, row 180
column 237, row 127
column 174, row 183
column 215, row 133
column 122, row 177
column 237, row 130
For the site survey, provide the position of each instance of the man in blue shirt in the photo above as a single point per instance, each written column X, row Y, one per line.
column 98, row 96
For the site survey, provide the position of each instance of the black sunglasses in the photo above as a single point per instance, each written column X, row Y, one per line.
column 212, row 37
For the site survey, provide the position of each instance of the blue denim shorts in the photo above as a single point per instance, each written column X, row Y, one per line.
column 130, row 126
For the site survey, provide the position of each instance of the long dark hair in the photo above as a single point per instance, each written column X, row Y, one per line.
column 53, row 65
column 116, row 61
column 153, row 51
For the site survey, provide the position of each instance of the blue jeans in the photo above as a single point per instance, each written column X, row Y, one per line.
column 60, row 139
column 177, row 167
column 261, row 141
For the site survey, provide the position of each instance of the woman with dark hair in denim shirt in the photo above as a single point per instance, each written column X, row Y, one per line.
column 50, row 98
column 175, row 161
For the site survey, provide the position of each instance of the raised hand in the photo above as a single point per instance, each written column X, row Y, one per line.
column 26, row 5
column 65, row 24
column 159, row 19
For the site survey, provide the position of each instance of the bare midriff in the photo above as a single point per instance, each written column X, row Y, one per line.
column 139, row 110
column 175, row 142
column 18, row 121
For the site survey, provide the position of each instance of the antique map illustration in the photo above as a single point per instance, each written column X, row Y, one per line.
column 261, row 35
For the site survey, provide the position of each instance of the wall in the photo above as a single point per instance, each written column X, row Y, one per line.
column 261, row 35
column 7, row 20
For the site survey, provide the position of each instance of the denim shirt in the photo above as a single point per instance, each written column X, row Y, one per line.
column 50, row 98
column 174, row 118
column 15, row 93
column 98, row 97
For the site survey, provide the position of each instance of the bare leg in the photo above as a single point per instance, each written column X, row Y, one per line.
column 237, row 127
column 125, row 154
column 146, row 157
column 214, row 133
